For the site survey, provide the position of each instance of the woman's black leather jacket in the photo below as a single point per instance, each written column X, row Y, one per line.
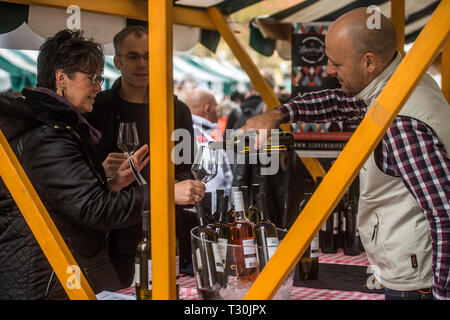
column 56, row 152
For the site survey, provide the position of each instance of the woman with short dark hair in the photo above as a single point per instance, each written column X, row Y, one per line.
column 54, row 145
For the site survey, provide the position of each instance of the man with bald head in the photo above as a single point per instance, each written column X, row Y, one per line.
column 202, row 104
column 404, row 206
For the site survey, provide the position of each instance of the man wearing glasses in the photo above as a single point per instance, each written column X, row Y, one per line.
column 127, row 101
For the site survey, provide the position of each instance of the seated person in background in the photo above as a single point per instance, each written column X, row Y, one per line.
column 55, row 147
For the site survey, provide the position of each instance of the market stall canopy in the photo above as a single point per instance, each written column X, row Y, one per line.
column 26, row 26
column 270, row 33
column 18, row 69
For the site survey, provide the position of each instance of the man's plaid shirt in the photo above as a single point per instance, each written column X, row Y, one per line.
column 411, row 150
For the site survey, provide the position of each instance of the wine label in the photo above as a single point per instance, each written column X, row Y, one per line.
column 343, row 222
column 272, row 245
column 222, row 246
column 314, row 252
column 335, row 222
column 137, row 274
column 217, row 258
column 250, row 257
column 198, row 258
column 324, row 226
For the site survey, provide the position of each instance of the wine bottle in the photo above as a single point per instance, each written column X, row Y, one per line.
column 204, row 257
column 253, row 211
column 343, row 221
column 326, row 235
column 265, row 232
column 242, row 236
column 177, row 269
column 336, row 225
column 277, row 141
column 222, row 229
column 143, row 262
column 245, row 196
column 232, row 212
column 219, row 194
column 207, row 207
column 308, row 266
column 351, row 239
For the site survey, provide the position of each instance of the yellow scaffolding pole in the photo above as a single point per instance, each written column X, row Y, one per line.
column 135, row 9
column 366, row 137
column 161, row 145
column 312, row 165
column 398, row 20
column 445, row 71
column 42, row 226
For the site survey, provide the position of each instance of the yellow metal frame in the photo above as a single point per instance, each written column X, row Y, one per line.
column 398, row 20
column 445, row 66
column 356, row 152
column 162, row 168
column 135, row 9
column 318, row 208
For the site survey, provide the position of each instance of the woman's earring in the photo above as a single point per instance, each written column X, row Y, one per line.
column 63, row 88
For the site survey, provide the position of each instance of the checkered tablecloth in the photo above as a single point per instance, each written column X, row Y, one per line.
column 188, row 288
column 340, row 258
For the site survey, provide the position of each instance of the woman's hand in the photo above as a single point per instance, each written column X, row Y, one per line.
column 112, row 163
column 123, row 176
column 189, row 192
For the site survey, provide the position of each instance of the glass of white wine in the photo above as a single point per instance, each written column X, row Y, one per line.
column 128, row 142
column 204, row 168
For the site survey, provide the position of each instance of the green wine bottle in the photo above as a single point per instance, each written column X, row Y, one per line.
column 265, row 232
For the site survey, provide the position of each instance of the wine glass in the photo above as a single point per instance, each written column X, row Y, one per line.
column 128, row 138
column 128, row 142
column 204, row 167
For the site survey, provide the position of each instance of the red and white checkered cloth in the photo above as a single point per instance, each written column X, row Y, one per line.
column 340, row 258
column 188, row 287
column 301, row 293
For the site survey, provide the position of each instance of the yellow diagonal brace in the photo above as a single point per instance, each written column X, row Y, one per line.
column 312, row 165
column 42, row 226
column 161, row 145
column 355, row 153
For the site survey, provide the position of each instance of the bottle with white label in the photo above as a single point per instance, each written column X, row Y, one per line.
column 265, row 232
column 244, row 251
column 222, row 229
column 308, row 266
column 143, row 262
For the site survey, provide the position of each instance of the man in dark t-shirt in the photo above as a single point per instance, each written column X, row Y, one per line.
column 127, row 101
